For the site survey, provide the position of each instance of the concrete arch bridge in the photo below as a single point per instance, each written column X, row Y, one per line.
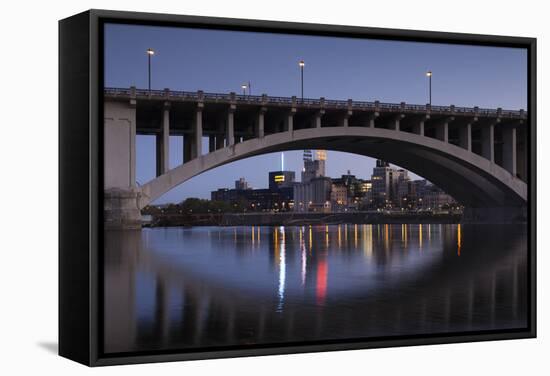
column 479, row 156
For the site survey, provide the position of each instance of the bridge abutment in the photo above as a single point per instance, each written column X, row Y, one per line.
column 121, row 209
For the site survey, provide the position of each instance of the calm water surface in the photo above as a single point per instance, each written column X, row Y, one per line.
column 183, row 288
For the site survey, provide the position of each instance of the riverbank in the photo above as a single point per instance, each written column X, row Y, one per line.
column 300, row 219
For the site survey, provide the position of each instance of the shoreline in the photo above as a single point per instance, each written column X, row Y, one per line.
column 301, row 219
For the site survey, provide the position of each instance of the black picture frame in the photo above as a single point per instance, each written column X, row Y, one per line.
column 80, row 179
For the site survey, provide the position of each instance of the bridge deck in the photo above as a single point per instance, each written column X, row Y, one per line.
column 307, row 103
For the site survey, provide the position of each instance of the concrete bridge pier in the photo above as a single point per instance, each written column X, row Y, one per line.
column 121, row 194
column 120, row 209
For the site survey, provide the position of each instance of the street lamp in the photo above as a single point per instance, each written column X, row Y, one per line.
column 243, row 86
column 429, row 75
column 302, row 64
column 150, row 52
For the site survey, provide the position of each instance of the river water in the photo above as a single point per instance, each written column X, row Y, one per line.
column 200, row 287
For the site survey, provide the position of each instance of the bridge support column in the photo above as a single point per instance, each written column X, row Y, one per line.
column 259, row 131
column 196, row 147
column 289, row 120
column 509, row 151
column 372, row 119
column 229, row 126
column 395, row 124
column 344, row 120
column 442, row 130
column 488, row 142
column 418, row 128
column 317, row 119
column 163, row 142
column 521, row 152
column 465, row 136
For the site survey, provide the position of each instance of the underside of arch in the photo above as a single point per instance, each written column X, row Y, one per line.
column 471, row 179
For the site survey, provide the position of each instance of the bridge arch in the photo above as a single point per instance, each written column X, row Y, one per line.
column 473, row 180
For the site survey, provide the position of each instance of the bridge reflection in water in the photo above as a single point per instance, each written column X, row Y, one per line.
column 183, row 288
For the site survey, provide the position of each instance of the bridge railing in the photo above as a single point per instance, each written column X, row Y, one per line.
column 307, row 102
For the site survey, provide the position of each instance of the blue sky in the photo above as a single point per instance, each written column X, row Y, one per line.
column 336, row 68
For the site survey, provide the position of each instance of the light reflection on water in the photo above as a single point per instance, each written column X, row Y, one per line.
column 175, row 288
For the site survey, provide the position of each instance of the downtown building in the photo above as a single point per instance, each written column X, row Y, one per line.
column 277, row 198
column 392, row 188
column 313, row 193
column 349, row 192
column 432, row 198
column 385, row 182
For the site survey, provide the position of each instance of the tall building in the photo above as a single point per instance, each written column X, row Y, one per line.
column 385, row 183
column 313, row 196
column 313, row 192
column 339, row 197
column 313, row 168
column 406, row 194
column 381, row 183
column 242, row 184
column 281, row 179
column 356, row 190
column 276, row 198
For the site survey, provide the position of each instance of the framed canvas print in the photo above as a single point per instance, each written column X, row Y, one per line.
column 239, row 187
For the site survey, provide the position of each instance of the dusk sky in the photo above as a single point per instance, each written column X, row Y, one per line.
column 336, row 68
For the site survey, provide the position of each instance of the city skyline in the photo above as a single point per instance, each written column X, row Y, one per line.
column 339, row 68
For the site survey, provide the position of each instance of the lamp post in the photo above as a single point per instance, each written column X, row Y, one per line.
column 429, row 75
column 243, row 86
column 150, row 52
column 249, row 89
column 302, row 64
